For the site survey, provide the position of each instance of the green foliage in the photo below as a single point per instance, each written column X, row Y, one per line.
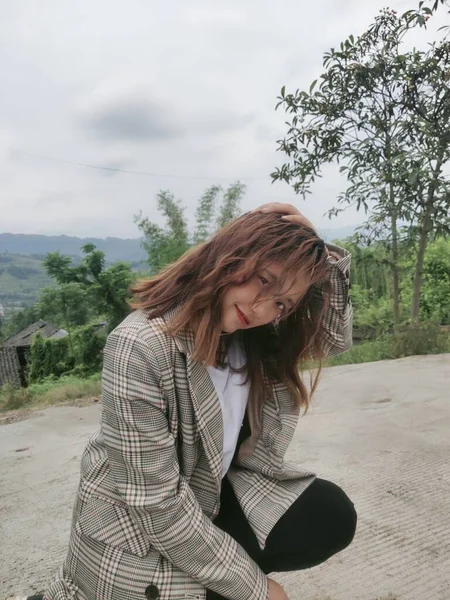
column 50, row 391
column 16, row 320
column 230, row 208
column 204, row 216
column 435, row 299
column 382, row 114
column 372, row 314
column 67, row 305
column 367, row 351
column 20, row 272
column 81, row 356
column 372, row 290
column 101, row 291
column 410, row 340
column 88, row 350
column 49, row 357
column 165, row 245
column 13, row 398
column 419, row 338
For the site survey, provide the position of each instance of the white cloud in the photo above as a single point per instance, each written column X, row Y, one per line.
column 174, row 89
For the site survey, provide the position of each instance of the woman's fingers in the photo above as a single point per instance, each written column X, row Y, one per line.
column 278, row 207
column 289, row 212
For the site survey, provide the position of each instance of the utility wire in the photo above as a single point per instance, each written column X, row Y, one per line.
column 144, row 173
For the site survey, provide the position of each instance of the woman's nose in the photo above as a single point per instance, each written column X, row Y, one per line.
column 264, row 311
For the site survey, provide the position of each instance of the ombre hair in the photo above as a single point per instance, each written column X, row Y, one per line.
column 195, row 284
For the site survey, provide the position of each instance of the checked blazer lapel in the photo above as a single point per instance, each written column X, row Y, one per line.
column 209, row 416
column 206, row 405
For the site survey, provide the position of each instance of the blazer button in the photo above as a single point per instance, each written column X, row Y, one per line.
column 152, row 592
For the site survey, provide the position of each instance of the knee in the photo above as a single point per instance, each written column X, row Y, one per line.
column 349, row 521
column 338, row 514
column 346, row 520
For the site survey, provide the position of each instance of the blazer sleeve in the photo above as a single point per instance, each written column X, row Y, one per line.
column 143, row 459
column 338, row 319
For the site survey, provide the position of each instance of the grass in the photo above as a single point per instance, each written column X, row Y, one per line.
column 408, row 343
column 369, row 351
column 49, row 392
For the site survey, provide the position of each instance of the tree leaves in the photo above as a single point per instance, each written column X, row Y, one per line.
column 165, row 245
column 383, row 115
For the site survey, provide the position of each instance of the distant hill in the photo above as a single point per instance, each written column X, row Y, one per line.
column 22, row 274
column 115, row 249
column 21, row 278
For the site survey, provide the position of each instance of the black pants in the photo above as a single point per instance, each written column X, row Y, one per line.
column 319, row 524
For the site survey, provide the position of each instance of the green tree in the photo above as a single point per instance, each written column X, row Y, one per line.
column 422, row 14
column 107, row 288
column 50, row 358
column 205, row 214
column 66, row 305
column 367, row 116
column 429, row 99
column 231, row 204
column 435, row 302
column 166, row 244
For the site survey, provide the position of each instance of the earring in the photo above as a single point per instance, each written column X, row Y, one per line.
column 276, row 323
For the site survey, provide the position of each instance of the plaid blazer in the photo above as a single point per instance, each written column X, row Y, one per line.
column 151, row 477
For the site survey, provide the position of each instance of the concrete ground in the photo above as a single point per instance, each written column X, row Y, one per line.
column 380, row 430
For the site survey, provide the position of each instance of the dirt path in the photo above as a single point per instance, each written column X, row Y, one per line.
column 380, row 430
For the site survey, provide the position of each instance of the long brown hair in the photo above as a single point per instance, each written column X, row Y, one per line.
column 197, row 281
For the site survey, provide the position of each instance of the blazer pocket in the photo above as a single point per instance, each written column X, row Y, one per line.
column 109, row 522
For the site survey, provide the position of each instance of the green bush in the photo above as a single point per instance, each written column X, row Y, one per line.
column 410, row 340
column 367, row 351
column 88, row 350
column 50, row 391
column 50, row 357
column 371, row 314
column 419, row 338
column 81, row 355
column 12, row 397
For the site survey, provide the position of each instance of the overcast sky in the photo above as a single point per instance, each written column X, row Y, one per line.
column 181, row 89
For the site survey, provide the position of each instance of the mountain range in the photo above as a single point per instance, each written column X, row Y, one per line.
column 115, row 249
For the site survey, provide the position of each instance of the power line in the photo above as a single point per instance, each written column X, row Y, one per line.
column 144, row 173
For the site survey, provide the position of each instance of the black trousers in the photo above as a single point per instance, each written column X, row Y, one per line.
column 319, row 524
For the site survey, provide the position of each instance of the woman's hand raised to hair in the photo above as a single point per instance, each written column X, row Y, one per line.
column 292, row 214
column 276, row 591
column 289, row 212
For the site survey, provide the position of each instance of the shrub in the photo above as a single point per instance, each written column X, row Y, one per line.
column 88, row 349
column 419, row 338
column 50, row 391
column 50, row 357
column 12, row 397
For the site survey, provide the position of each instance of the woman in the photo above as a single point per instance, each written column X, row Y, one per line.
column 183, row 491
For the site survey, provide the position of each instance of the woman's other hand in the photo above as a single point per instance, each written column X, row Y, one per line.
column 276, row 591
column 289, row 212
column 292, row 214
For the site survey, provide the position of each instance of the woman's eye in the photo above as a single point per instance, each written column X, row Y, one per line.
column 281, row 306
column 263, row 280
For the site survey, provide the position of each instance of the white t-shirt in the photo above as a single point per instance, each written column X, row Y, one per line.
column 233, row 398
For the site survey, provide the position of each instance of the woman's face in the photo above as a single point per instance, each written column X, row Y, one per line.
column 242, row 310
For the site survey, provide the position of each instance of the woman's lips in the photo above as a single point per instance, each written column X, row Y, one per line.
column 242, row 316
